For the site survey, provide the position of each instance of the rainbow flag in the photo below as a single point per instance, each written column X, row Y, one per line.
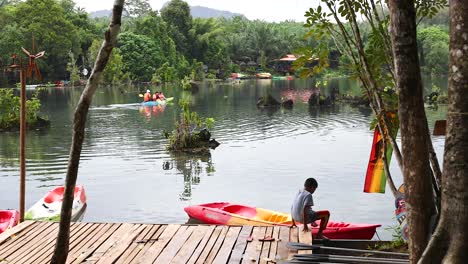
column 375, row 176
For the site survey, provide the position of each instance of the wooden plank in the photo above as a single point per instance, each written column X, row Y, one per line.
column 99, row 233
column 21, row 241
column 306, row 238
column 153, row 252
column 176, row 244
column 189, row 247
column 293, row 237
column 282, row 252
column 241, row 244
column 31, row 244
column 21, row 237
column 217, row 245
column 228, row 244
column 152, row 239
column 46, row 248
column 201, row 246
column 121, row 244
column 16, row 230
column 35, row 245
column 266, row 246
column 101, row 240
column 115, row 242
column 252, row 252
column 136, row 245
column 274, row 244
column 209, row 245
column 76, row 228
column 81, row 239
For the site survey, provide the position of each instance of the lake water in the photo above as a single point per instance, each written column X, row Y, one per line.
column 263, row 159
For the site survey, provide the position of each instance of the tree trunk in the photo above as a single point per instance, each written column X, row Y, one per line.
column 413, row 126
column 449, row 244
column 79, row 122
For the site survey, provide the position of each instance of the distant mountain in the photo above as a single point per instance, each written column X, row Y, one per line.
column 206, row 12
column 196, row 11
column 100, row 13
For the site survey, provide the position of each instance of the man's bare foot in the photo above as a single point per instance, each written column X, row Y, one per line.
column 321, row 236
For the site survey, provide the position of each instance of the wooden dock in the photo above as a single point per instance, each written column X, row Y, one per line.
column 33, row 242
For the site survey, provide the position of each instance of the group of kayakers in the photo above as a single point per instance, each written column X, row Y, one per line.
column 157, row 95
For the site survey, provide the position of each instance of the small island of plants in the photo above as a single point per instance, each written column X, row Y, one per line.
column 10, row 112
column 191, row 133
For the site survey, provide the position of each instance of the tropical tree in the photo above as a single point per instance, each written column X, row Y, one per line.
column 141, row 56
column 448, row 243
column 177, row 15
column 433, row 49
column 154, row 27
column 137, row 8
column 53, row 32
column 114, row 71
column 416, row 167
column 207, row 44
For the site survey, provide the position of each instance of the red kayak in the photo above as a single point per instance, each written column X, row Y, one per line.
column 237, row 214
column 8, row 219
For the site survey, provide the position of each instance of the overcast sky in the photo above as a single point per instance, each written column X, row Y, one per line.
column 269, row 10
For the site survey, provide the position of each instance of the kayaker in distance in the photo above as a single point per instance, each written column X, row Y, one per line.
column 147, row 96
column 161, row 96
column 301, row 209
column 158, row 95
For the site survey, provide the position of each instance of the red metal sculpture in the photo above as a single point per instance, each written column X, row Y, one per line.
column 32, row 66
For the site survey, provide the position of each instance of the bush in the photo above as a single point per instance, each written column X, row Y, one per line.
column 188, row 130
column 164, row 74
column 10, row 109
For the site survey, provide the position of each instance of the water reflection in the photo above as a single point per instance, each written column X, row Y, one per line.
column 124, row 156
column 192, row 166
column 298, row 95
column 149, row 111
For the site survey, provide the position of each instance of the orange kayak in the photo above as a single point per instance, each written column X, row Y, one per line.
column 224, row 213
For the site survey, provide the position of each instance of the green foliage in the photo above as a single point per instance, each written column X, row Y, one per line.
column 429, row 9
column 186, row 83
column 114, row 71
column 73, row 69
column 53, row 32
column 433, row 45
column 207, row 44
column 141, row 56
column 165, row 74
column 397, row 240
column 187, row 128
column 210, row 75
column 149, row 40
column 196, row 71
column 136, row 8
column 177, row 15
column 10, row 109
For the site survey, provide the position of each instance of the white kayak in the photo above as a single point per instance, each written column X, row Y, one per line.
column 48, row 208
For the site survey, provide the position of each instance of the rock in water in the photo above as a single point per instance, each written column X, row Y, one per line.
column 268, row 101
column 288, row 104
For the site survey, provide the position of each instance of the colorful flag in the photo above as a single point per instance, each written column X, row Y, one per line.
column 375, row 176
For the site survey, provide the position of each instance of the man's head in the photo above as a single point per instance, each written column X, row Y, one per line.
column 148, row 91
column 310, row 185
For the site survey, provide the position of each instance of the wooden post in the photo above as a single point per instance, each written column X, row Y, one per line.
column 22, row 143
